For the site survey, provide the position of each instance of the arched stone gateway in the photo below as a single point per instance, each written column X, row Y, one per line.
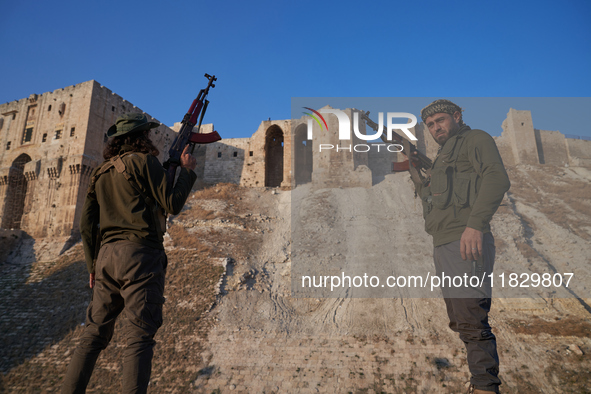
column 14, row 203
column 303, row 162
column 274, row 156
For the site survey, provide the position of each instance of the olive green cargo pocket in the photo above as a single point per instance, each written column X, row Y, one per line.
column 154, row 303
column 464, row 190
column 440, row 187
column 461, row 190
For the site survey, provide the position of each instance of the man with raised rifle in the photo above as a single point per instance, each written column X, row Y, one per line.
column 128, row 275
column 460, row 194
column 125, row 255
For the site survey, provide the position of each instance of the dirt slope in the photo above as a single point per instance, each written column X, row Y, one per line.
column 251, row 335
column 268, row 341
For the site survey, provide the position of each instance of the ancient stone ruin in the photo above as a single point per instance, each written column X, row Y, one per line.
column 51, row 142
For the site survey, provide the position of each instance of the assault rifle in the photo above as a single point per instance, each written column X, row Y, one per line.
column 418, row 160
column 186, row 134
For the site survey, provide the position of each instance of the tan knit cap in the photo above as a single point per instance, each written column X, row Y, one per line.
column 440, row 106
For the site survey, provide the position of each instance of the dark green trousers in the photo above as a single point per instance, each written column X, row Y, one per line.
column 129, row 280
column 468, row 308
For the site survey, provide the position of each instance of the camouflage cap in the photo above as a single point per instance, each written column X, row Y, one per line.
column 129, row 123
column 440, row 106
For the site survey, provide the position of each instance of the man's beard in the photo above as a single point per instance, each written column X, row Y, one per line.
column 445, row 135
column 441, row 138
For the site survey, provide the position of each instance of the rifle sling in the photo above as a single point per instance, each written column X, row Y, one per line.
column 117, row 163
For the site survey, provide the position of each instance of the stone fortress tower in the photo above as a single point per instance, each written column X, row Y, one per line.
column 521, row 143
column 49, row 145
column 51, row 142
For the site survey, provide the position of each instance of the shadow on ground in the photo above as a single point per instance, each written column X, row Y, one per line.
column 37, row 314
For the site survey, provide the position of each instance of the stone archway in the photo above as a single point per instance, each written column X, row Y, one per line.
column 274, row 156
column 303, row 161
column 14, row 202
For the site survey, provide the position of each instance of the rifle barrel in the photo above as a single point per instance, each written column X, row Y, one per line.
column 197, row 108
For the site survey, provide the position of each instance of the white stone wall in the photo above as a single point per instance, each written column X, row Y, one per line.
column 551, row 147
column 224, row 160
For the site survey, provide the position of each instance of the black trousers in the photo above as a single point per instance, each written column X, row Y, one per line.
column 468, row 308
column 129, row 280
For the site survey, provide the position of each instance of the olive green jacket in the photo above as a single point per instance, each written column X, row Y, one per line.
column 466, row 186
column 122, row 212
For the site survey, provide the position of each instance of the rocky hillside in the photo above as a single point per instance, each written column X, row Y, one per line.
column 232, row 323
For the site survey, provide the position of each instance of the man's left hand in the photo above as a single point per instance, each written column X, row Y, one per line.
column 187, row 159
column 471, row 244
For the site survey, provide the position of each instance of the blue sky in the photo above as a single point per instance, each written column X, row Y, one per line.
column 154, row 54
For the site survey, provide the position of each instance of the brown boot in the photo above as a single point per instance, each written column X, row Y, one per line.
column 473, row 390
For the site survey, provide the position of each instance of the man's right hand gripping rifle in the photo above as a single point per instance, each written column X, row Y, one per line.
column 179, row 153
column 419, row 172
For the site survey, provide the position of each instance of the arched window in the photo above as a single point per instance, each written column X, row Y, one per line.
column 274, row 156
column 14, row 202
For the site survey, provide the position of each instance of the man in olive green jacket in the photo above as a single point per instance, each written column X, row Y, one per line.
column 126, row 197
column 466, row 185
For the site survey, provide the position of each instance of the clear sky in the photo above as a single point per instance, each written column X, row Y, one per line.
column 154, row 54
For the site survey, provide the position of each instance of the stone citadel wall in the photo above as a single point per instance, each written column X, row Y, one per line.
column 521, row 143
column 51, row 142
column 245, row 160
column 49, row 145
column 263, row 160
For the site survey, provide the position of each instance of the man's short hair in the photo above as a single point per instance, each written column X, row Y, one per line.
column 441, row 106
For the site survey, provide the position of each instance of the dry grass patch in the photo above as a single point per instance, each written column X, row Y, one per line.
column 567, row 327
column 214, row 223
column 526, row 250
column 190, row 293
column 574, row 377
column 201, row 244
column 221, row 191
column 228, row 194
column 40, row 322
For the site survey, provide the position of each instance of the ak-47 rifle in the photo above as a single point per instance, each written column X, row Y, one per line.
column 417, row 159
column 186, row 134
